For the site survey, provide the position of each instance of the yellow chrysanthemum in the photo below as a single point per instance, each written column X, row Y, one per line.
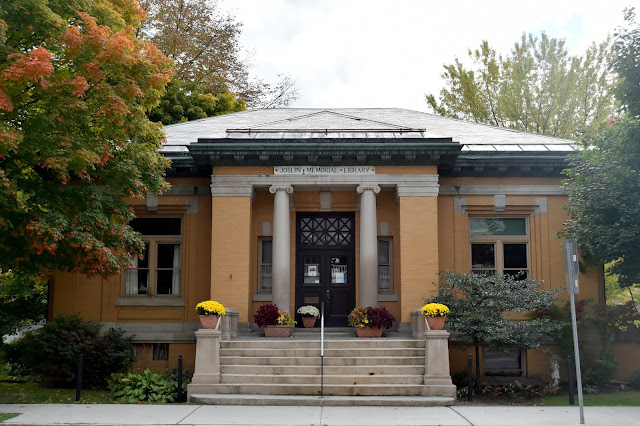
column 210, row 307
column 435, row 310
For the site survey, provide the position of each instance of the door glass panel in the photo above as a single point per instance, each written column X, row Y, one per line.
column 312, row 269
column 339, row 270
column 483, row 256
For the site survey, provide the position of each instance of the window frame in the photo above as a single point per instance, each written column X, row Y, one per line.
column 261, row 240
column 498, row 242
column 153, row 241
column 389, row 290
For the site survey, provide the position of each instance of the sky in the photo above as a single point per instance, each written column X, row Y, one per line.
column 370, row 53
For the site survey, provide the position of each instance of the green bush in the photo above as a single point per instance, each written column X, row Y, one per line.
column 52, row 352
column 602, row 370
column 634, row 380
column 145, row 387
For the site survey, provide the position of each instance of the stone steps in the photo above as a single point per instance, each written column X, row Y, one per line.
column 314, row 389
column 287, row 343
column 328, row 352
column 328, row 361
column 380, row 369
column 322, row 401
column 329, row 379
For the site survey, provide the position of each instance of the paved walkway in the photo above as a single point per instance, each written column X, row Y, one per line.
column 110, row 414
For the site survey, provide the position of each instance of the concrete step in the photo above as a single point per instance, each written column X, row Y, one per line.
column 276, row 343
column 314, row 389
column 310, row 400
column 344, row 352
column 334, row 379
column 328, row 369
column 328, row 361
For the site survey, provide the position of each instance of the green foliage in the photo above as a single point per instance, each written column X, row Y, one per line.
column 23, row 300
column 479, row 306
column 191, row 101
column 538, row 87
column 602, row 369
column 144, row 387
column 627, row 64
column 52, row 352
column 75, row 87
column 603, row 185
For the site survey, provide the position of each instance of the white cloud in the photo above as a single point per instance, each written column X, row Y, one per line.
column 374, row 53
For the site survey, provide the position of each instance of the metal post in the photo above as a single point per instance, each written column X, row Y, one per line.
column 322, row 349
column 469, row 379
column 79, row 378
column 577, row 353
column 570, row 379
column 180, row 378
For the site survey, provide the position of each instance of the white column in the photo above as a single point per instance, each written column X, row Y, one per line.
column 368, row 245
column 281, row 255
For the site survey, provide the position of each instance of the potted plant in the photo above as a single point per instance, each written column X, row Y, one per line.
column 368, row 321
column 209, row 313
column 274, row 322
column 309, row 315
column 435, row 314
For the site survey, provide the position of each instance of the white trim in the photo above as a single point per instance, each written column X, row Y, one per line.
column 501, row 190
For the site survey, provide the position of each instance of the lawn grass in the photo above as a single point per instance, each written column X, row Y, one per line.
column 597, row 399
column 7, row 416
column 32, row 393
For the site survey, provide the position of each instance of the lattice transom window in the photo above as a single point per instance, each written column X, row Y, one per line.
column 326, row 231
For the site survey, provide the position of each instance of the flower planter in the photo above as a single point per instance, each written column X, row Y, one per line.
column 277, row 331
column 369, row 331
column 436, row 323
column 209, row 321
column 309, row 322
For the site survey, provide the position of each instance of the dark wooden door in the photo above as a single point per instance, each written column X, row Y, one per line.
column 325, row 268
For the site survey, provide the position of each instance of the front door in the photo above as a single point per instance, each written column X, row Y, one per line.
column 325, row 270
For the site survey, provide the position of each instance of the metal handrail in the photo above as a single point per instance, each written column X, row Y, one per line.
column 322, row 349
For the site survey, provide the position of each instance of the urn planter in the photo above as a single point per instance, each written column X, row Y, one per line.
column 369, row 331
column 277, row 331
column 436, row 323
column 309, row 322
column 209, row 321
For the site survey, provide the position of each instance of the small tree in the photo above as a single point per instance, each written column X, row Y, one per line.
column 479, row 307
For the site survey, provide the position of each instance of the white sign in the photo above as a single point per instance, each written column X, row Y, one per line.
column 324, row 170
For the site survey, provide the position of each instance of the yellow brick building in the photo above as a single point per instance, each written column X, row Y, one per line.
column 343, row 206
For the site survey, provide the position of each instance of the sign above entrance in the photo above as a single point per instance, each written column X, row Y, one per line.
column 324, row 170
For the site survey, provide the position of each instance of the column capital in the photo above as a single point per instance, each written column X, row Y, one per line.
column 286, row 188
column 361, row 188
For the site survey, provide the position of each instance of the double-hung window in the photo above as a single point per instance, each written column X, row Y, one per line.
column 265, row 245
column 157, row 272
column 385, row 263
column 499, row 245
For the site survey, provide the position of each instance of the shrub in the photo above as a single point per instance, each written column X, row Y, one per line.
column 267, row 315
column 52, row 352
column 602, row 369
column 144, row 387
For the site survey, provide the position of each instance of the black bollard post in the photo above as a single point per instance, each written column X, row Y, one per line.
column 570, row 379
column 180, row 378
column 469, row 379
column 79, row 378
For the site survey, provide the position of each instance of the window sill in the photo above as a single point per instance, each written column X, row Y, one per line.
column 149, row 301
column 262, row 297
column 387, row 297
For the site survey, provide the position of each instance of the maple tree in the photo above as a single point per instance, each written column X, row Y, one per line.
column 210, row 64
column 75, row 87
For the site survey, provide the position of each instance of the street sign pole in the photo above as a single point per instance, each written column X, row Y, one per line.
column 571, row 267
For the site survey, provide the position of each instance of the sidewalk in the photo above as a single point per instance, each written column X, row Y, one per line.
column 110, row 414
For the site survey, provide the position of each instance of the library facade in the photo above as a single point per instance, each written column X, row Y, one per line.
column 345, row 207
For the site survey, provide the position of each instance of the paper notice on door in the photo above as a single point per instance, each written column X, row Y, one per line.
column 340, row 278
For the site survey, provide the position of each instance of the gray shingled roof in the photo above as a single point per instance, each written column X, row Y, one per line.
column 359, row 123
